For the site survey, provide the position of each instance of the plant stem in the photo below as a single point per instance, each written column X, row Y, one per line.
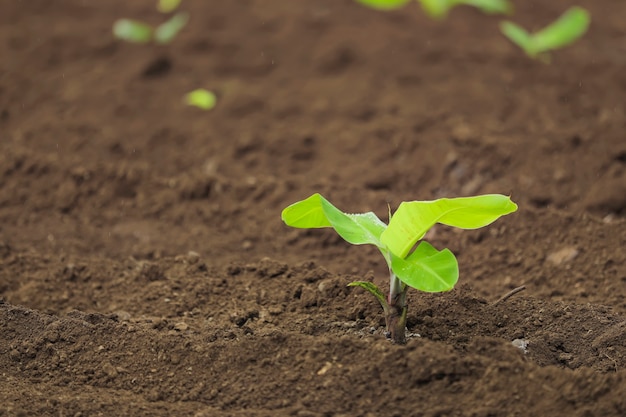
column 395, row 315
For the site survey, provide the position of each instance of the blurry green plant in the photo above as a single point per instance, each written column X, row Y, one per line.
column 167, row 6
column 424, row 268
column 565, row 30
column 562, row 32
column 201, row 98
column 439, row 8
column 139, row 32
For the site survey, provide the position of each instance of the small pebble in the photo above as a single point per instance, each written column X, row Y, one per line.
column 563, row 255
column 521, row 344
column 181, row 327
column 193, row 257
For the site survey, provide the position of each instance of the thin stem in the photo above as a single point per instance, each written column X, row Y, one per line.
column 509, row 295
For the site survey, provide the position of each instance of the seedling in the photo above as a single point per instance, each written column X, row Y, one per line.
column 167, row 6
column 201, row 98
column 439, row 9
column 566, row 29
column 423, row 268
column 139, row 32
column 132, row 31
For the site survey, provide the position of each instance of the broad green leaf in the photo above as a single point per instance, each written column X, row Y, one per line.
column 167, row 31
column 316, row 212
column 516, row 34
column 427, row 269
column 201, row 98
column 374, row 290
column 413, row 219
column 566, row 29
column 383, row 4
column 166, row 6
column 132, row 31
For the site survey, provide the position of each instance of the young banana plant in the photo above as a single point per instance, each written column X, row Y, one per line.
column 423, row 268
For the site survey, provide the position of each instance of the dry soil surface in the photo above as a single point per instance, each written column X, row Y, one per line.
column 144, row 267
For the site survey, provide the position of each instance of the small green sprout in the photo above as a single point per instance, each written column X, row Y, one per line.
column 167, row 31
column 132, row 31
column 201, row 98
column 439, row 9
column 139, row 32
column 167, row 6
column 423, row 268
column 565, row 30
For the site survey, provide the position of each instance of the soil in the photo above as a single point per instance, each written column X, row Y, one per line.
column 144, row 268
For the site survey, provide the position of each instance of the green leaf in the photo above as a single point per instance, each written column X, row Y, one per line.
column 166, row 6
column 384, row 4
column 427, row 269
column 374, row 290
column 317, row 212
column 566, row 29
column 132, row 31
column 201, row 98
column 167, row 31
column 517, row 34
column 413, row 219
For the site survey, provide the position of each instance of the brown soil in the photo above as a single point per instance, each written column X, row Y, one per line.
column 144, row 269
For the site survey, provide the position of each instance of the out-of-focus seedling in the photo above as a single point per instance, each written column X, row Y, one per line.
column 565, row 30
column 132, row 31
column 424, row 268
column 167, row 6
column 439, row 9
column 201, row 98
column 167, row 31
column 139, row 32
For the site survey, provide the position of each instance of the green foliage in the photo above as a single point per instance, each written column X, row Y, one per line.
column 565, row 30
column 413, row 219
column 373, row 289
column 167, row 6
column 139, row 32
column 132, row 31
column 426, row 268
column 168, row 30
column 201, row 98
column 316, row 212
column 439, row 9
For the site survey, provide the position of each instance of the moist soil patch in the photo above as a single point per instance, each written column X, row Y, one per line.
column 144, row 269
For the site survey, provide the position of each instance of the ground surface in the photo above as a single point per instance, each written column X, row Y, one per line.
column 144, row 269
